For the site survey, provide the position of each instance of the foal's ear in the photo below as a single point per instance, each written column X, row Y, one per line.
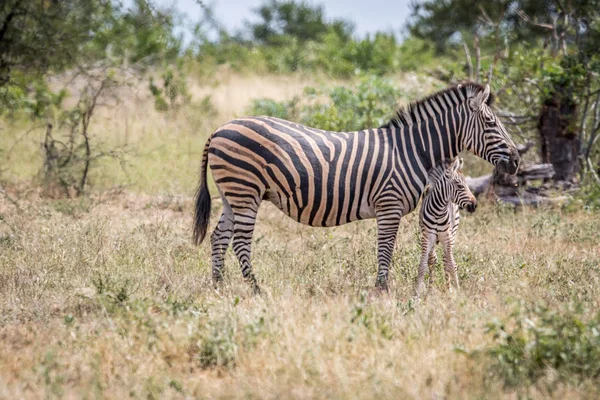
column 477, row 101
column 456, row 165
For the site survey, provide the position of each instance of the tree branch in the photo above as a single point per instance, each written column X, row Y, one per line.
column 469, row 61
column 477, row 58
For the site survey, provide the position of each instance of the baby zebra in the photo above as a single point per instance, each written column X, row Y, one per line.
column 439, row 217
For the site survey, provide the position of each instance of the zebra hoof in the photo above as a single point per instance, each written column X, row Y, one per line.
column 217, row 282
column 382, row 287
column 256, row 290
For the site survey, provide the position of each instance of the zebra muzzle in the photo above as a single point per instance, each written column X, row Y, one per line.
column 472, row 206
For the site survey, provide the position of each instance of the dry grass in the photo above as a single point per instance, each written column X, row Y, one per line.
column 108, row 298
column 115, row 301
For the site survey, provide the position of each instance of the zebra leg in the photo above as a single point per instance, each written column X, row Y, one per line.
column 432, row 264
column 387, row 229
column 243, row 229
column 219, row 241
column 450, row 269
column 427, row 244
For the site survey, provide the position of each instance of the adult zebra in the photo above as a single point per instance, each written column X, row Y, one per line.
column 322, row 178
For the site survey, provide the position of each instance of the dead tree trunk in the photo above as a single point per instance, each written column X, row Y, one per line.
column 514, row 189
column 559, row 136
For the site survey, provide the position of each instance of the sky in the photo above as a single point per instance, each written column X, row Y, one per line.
column 368, row 15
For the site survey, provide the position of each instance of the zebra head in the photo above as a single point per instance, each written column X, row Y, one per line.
column 486, row 137
column 459, row 192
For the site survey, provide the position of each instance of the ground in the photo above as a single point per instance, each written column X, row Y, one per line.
column 115, row 301
column 105, row 296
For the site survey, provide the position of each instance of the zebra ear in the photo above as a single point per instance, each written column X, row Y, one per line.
column 476, row 102
column 461, row 164
column 456, row 165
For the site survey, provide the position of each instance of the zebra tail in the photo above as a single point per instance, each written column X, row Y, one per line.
column 202, row 209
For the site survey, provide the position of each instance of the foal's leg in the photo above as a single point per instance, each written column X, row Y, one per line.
column 427, row 243
column 432, row 262
column 450, row 269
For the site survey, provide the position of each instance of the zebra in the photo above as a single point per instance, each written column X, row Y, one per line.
column 322, row 178
column 439, row 218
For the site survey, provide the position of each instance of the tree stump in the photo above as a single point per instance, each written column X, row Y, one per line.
column 559, row 138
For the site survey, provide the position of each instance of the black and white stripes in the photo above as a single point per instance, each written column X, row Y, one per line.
column 439, row 217
column 322, row 178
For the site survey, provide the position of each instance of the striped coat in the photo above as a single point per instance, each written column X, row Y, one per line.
column 322, row 178
column 439, row 217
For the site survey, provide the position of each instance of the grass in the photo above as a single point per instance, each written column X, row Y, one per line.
column 116, row 301
column 106, row 296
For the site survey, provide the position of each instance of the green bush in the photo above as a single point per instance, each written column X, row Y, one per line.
column 534, row 340
column 371, row 103
column 30, row 97
column 172, row 92
column 332, row 53
column 368, row 104
column 279, row 109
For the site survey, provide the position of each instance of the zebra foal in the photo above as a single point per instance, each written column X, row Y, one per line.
column 439, row 218
column 322, row 178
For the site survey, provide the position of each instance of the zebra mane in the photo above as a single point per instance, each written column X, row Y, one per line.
column 437, row 172
column 414, row 112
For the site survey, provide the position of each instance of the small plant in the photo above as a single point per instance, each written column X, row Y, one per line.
column 113, row 292
column 534, row 340
column 364, row 315
column 217, row 348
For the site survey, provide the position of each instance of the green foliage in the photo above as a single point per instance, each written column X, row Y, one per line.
column 282, row 20
column 217, row 347
column 85, row 35
column 589, row 195
column 172, row 92
column 227, row 50
column 415, row 54
column 369, row 104
column 139, row 35
column 30, row 98
column 111, row 292
column 295, row 36
column 332, row 54
column 536, row 339
column 364, row 315
column 38, row 35
column 279, row 109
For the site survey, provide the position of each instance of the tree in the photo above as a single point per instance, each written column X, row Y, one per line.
column 288, row 18
column 100, row 45
column 38, row 35
column 560, row 37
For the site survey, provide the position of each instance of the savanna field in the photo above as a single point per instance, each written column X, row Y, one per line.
column 105, row 295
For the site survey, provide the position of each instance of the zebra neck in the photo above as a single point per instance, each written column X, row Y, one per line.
column 437, row 201
column 438, row 139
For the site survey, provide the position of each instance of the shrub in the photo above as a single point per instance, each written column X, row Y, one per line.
column 272, row 108
column 369, row 104
column 172, row 92
column 535, row 340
